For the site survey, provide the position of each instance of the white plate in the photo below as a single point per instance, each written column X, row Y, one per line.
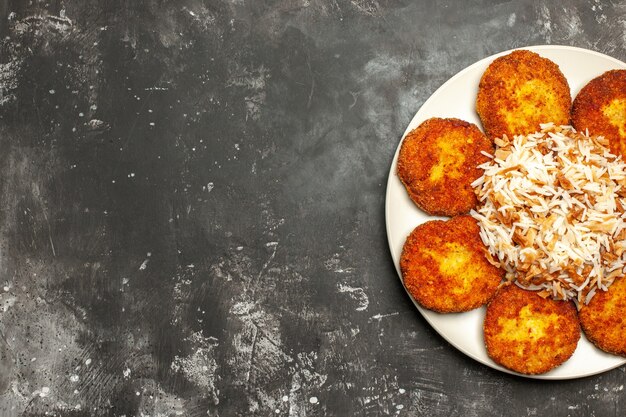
column 456, row 98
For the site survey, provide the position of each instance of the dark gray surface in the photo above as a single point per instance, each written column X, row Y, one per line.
column 191, row 217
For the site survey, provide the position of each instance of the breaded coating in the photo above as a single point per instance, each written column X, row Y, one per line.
column 600, row 107
column 604, row 319
column 438, row 162
column 527, row 333
column 444, row 266
column 518, row 92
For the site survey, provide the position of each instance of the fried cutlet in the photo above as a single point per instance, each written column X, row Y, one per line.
column 600, row 107
column 438, row 162
column 527, row 333
column 518, row 92
column 444, row 266
column 604, row 320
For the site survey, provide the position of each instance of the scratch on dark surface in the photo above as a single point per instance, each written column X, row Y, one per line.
column 252, row 351
column 274, row 246
column 379, row 317
column 308, row 63
column 49, row 234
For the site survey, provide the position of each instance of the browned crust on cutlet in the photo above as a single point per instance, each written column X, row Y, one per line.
column 438, row 162
column 444, row 267
column 593, row 98
column 527, row 333
column 518, row 92
column 604, row 319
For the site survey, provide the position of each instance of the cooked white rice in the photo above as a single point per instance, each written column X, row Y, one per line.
column 552, row 212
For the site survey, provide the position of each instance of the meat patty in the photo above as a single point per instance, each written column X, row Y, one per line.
column 527, row 333
column 444, row 266
column 438, row 163
column 518, row 92
column 604, row 320
column 600, row 107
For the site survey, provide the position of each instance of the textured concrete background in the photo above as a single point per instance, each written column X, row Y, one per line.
column 191, row 206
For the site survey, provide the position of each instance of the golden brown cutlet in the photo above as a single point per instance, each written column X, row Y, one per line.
column 438, row 162
column 518, row 92
column 600, row 107
column 527, row 333
column 604, row 319
column 444, row 266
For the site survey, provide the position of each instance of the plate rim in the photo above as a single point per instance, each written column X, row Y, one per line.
column 392, row 173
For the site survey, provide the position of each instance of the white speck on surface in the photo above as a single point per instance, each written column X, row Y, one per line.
column 357, row 294
column 401, row 390
column 570, row 22
column 9, row 80
column 45, row 391
column 285, row 398
column 210, row 187
column 313, row 400
column 382, row 316
column 399, row 406
column 242, row 308
column 74, row 378
column 334, row 264
column 144, row 265
column 8, row 303
column 126, row 373
column 88, row 362
column 199, row 367
column 95, row 124
column 545, row 22
column 51, row 91
column 254, row 80
column 511, row 21
column 6, row 289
